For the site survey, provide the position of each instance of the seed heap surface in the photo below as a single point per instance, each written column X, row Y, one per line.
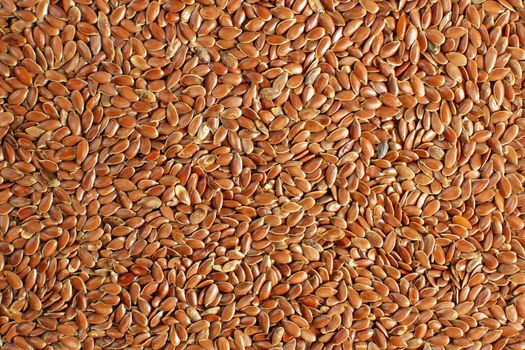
column 286, row 174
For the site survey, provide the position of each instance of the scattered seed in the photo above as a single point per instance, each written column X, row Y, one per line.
column 307, row 174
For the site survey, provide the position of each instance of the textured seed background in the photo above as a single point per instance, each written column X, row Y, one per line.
column 287, row 174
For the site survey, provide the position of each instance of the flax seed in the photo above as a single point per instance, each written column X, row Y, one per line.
column 295, row 174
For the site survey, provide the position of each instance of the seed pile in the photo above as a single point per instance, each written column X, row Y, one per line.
column 287, row 174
